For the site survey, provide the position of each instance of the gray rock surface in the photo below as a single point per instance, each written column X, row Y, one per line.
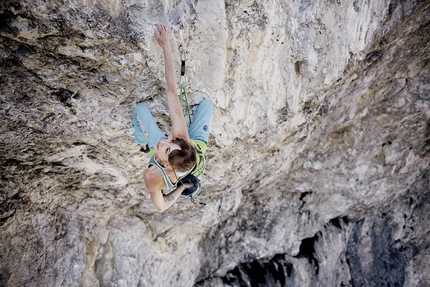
column 318, row 161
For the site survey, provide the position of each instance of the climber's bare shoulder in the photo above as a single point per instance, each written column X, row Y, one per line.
column 153, row 179
column 155, row 183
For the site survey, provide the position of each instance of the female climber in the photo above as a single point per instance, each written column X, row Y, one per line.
column 174, row 156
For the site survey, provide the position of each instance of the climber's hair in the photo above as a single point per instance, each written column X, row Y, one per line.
column 182, row 159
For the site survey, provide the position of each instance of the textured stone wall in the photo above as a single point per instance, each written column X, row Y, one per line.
column 318, row 162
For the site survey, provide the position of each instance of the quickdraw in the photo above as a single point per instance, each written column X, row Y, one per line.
column 182, row 92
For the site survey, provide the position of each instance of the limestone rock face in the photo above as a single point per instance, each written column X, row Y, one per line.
column 318, row 161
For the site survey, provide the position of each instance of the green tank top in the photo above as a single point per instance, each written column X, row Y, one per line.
column 153, row 162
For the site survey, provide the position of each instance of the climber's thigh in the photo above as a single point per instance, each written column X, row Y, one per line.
column 200, row 127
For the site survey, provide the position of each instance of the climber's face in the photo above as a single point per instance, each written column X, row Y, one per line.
column 163, row 149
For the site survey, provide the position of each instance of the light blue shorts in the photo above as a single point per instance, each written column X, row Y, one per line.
column 146, row 130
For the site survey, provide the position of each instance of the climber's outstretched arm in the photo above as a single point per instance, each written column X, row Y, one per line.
column 154, row 183
column 179, row 126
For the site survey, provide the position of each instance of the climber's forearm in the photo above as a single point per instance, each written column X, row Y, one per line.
column 160, row 201
column 169, row 71
column 172, row 196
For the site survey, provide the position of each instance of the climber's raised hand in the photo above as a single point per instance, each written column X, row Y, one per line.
column 162, row 35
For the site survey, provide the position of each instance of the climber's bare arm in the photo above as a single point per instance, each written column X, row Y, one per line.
column 155, row 183
column 179, row 126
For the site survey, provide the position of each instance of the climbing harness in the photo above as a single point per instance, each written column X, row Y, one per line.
column 200, row 164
